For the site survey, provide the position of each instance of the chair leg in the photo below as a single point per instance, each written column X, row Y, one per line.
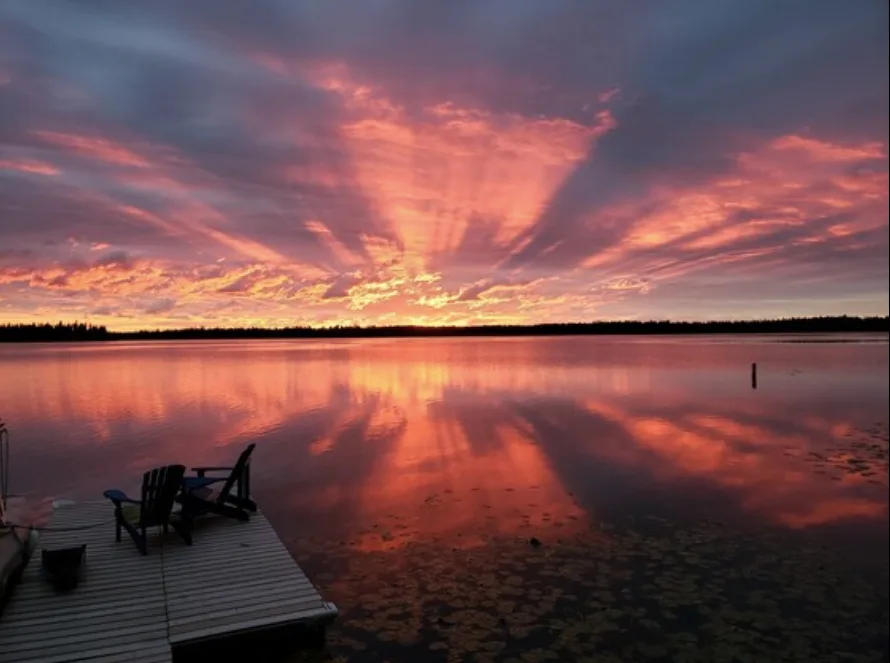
column 244, row 498
column 222, row 509
column 118, row 516
column 234, row 512
column 188, row 512
column 244, row 503
column 184, row 529
column 137, row 533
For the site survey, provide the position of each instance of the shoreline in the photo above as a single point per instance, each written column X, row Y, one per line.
column 29, row 333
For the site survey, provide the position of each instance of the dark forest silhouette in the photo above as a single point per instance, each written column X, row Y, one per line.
column 18, row 333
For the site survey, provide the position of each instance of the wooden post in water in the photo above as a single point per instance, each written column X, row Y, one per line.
column 754, row 376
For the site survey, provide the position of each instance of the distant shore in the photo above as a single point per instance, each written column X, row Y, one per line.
column 24, row 333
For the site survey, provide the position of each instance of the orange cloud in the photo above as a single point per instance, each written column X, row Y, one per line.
column 450, row 191
column 439, row 146
column 788, row 183
column 431, row 177
column 187, row 215
column 336, row 247
column 821, row 151
column 29, row 166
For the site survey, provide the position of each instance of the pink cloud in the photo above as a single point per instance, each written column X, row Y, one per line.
column 94, row 147
column 608, row 95
column 414, row 172
column 30, row 167
column 788, row 183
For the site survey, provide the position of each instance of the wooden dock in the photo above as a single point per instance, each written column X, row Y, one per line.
column 237, row 579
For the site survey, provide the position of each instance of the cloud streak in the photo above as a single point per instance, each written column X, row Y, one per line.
column 418, row 163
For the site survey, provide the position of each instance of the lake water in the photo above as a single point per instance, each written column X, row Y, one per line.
column 680, row 511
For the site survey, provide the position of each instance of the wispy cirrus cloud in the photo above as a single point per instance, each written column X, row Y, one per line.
column 428, row 163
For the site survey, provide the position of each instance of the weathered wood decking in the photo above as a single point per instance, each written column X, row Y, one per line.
column 236, row 578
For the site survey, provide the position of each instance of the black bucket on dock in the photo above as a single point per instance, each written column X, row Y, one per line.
column 63, row 567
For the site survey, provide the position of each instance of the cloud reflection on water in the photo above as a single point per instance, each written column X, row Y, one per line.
column 461, row 436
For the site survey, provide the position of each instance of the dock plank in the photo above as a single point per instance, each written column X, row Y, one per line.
column 41, row 625
column 262, row 585
column 259, row 622
column 140, row 608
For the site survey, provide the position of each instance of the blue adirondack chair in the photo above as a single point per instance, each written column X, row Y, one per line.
column 159, row 489
column 233, row 498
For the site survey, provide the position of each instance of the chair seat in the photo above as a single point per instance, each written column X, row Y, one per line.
column 194, row 483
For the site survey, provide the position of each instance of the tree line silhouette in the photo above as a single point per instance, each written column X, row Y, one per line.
column 62, row 331
column 78, row 331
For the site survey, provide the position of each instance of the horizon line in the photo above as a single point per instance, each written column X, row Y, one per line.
column 35, row 331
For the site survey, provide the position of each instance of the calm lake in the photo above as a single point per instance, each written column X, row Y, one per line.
column 682, row 514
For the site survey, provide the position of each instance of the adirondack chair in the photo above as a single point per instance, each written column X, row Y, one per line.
column 198, row 497
column 159, row 489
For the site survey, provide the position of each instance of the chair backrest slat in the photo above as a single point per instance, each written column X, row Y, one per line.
column 240, row 468
column 159, row 489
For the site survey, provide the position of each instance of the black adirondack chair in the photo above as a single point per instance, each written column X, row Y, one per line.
column 159, row 489
column 232, row 500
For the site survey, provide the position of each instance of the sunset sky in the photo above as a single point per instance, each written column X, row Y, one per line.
column 174, row 163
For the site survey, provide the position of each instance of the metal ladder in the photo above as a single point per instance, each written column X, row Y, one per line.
column 4, row 469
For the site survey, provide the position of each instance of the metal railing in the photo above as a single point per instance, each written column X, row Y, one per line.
column 4, row 468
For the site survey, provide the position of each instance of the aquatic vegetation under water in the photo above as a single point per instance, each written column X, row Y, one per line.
column 646, row 589
column 702, row 594
column 860, row 452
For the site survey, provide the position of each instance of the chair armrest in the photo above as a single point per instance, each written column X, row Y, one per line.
column 119, row 496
